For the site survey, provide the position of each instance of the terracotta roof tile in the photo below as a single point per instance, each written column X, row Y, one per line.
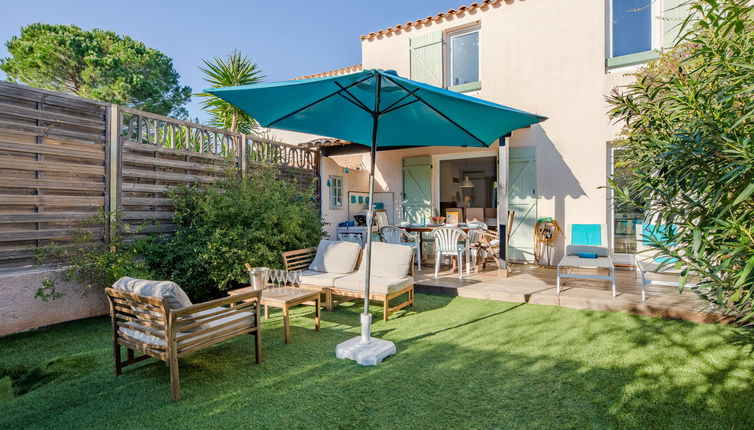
column 337, row 72
column 437, row 17
column 324, row 142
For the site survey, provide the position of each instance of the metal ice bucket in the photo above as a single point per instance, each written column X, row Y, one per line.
column 258, row 277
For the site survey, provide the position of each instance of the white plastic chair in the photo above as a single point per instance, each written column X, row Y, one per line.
column 351, row 237
column 399, row 236
column 446, row 245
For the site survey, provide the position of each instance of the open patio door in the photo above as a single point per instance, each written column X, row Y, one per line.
column 522, row 198
column 417, row 189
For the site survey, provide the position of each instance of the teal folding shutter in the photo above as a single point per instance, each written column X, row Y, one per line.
column 417, row 189
column 426, row 58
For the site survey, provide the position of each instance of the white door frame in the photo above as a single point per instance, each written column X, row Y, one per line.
column 454, row 156
column 621, row 258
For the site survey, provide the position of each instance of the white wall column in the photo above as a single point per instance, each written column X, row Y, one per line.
column 502, row 201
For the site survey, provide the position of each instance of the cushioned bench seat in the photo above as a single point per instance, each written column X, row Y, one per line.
column 157, row 338
column 320, row 279
column 355, row 282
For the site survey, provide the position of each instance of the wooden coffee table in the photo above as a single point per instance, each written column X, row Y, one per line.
column 286, row 298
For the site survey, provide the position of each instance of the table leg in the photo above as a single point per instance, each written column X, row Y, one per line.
column 266, row 312
column 286, row 325
column 421, row 244
column 316, row 313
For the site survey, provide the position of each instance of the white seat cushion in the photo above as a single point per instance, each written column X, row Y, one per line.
column 157, row 338
column 175, row 296
column 335, row 257
column 389, row 260
column 377, row 285
column 320, row 279
column 592, row 263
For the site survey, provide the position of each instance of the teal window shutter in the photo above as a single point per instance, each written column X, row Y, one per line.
column 674, row 14
column 426, row 58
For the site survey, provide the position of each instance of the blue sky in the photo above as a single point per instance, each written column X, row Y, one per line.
column 286, row 38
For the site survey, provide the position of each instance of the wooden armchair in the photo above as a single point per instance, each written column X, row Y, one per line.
column 148, row 325
column 488, row 247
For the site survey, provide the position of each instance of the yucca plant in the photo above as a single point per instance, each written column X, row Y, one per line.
column 688, row 140
column 235, row 69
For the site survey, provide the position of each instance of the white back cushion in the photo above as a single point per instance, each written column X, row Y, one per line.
column 176, row 297
column 335, row 257
column 388, row 260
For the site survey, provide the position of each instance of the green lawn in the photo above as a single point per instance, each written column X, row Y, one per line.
column 461, row 363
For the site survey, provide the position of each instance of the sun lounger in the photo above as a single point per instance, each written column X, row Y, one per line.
column 652, row 265
column 572, row 259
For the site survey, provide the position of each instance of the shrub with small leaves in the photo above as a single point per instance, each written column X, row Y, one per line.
column 221, row 227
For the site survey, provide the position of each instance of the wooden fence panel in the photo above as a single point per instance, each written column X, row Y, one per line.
column 295, row 163
column 64, row 158
column 157, row 154
column 52, row 169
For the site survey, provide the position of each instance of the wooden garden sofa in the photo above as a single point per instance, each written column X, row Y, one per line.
column 323, row 264
column 392, row 276
column 157, row 319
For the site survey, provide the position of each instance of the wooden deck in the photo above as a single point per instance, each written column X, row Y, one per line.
column 535, row 284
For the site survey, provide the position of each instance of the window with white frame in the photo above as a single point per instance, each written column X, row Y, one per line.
column 463, row 58
column 625, row 217
column 631, row 26
column 336, row 192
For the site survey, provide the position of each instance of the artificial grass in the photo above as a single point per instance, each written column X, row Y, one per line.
column 461, row 363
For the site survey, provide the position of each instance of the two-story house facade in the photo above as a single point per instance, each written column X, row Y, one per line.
column 557, row 58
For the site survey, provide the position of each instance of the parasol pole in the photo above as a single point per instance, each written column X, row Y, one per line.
column 366, row 317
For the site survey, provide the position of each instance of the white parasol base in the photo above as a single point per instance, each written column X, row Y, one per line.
column 365, row 353
column 364, row 349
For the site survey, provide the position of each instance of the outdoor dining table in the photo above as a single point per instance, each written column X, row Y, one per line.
column 421, row 229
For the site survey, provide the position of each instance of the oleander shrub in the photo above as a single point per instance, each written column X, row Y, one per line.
column 688, row 140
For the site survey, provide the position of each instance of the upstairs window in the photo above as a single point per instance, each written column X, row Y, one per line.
column 463, row 59
column 447, row 59
column 631, row 26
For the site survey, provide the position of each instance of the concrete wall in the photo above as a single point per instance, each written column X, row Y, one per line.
column 545, row 57
column 20, row 311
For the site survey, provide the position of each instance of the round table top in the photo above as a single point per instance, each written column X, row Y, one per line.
column 430, row 227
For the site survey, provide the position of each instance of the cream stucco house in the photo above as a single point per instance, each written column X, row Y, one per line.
column 557, row 58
